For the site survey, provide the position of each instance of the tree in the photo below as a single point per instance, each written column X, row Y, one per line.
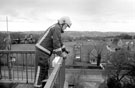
column 124, row 36
column 131, row 72
column 120, row 68
column 99, row 51
column 2, row 46
column 2, row 42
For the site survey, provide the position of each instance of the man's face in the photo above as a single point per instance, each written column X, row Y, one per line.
column 64, row 27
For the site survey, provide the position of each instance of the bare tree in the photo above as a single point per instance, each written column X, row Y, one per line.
column 121, row 67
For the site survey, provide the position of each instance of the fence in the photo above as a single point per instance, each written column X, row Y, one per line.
column 17, row 66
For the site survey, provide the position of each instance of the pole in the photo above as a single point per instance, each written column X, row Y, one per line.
column 7, row 23
column 8, row 36
column 8, row 48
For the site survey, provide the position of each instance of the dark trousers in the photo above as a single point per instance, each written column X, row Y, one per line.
column 41, row 69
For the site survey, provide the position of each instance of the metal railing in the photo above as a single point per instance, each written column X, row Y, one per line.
column 57, row 76
column 17, row 66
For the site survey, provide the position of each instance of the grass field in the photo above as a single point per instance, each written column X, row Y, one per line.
column 28, row 47
column 23, row 47
column 86, row 48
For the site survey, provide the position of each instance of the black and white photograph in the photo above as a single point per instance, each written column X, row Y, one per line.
column 67, row 43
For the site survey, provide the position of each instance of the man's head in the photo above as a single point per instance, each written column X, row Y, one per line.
column 65, row 22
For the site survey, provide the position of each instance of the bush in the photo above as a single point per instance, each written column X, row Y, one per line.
column 113, row 83
column 2, row 42
column 128, row 85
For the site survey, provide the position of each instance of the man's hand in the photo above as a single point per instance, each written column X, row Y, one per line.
column 65, row 50
column 64, row 55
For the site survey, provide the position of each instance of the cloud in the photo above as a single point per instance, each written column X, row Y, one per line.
column 87, row 7
column 82, row 12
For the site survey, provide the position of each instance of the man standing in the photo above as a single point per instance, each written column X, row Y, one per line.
column 49, row 43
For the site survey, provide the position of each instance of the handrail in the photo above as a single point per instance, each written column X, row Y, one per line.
column 54, row 76
column 17, row 51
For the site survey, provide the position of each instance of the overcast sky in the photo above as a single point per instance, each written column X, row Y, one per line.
column 86, row 15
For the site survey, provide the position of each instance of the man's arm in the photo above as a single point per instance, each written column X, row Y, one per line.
column 57, row 42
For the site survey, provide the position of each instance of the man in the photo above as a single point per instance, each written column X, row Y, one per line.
column 49, row 43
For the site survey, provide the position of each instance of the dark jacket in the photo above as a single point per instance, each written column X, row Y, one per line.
column 51, row 40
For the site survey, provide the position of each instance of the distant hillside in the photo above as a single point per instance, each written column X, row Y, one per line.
column 95, row 33
column 85, row 33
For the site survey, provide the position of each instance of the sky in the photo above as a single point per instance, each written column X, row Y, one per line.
column 86, row 15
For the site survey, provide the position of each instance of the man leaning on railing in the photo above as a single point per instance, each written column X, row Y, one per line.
column 50, row 42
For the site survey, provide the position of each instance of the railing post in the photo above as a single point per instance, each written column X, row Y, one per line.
column 9, row 65
column 0, row 68
column 60, row 77
column 26, row 70
column 57, row 77
column 63, row 74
